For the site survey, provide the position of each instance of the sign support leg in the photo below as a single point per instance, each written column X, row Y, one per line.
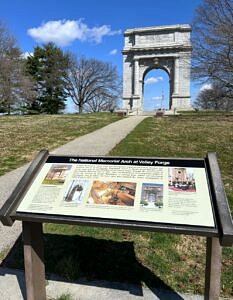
column 213, row 268
column 34, row 260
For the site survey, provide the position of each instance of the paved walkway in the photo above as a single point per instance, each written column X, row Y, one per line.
column 101, row 141
column 12, row 287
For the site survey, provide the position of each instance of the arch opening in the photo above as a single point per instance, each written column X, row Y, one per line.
column 156, row 90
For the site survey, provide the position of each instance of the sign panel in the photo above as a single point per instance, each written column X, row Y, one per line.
column 140, row 189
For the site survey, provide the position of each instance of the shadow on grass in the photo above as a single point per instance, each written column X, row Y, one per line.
column 94, row 262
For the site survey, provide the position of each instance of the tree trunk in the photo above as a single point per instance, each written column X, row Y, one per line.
column 80, row 108
column 8, row 109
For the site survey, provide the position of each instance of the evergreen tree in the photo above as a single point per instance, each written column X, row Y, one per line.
column 48, row 66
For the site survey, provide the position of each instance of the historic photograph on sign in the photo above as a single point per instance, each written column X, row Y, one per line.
column 152, row 195
column 57, row 174
column 181, row 180
column 76, row 191
column 112, row 193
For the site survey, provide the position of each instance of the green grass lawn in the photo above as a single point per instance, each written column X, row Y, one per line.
column 184, row 136
column 21, row 137
column 156, row 260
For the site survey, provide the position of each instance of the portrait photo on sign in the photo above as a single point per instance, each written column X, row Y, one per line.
column 112, row 193
column 181, row 180
column 152, row 195
column 76, row 191
column 57, row 174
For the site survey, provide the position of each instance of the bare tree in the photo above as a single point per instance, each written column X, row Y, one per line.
column 7, row 40
column 92, row 84
column 214, row 98
column 102, row 103
column 213, row 42
column 15, row 87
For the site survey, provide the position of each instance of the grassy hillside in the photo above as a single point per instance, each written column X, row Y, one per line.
column 185, row 136
column 21, row 137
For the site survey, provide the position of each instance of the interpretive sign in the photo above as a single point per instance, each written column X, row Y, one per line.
column 159, row 194
column 174, row 191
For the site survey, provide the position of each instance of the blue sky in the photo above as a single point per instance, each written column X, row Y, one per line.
column 95, row 29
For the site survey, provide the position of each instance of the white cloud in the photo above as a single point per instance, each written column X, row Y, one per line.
column 157, row 98
column 63, row 32
column 207, row 86
column 97, row 33
column 26, row 54
column 153, row 80
column 113, row 52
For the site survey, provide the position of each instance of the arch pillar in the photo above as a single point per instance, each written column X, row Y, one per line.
column 136, row 77
column 176, row 75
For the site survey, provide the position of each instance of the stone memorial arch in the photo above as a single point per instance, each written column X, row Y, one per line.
column 163, row 47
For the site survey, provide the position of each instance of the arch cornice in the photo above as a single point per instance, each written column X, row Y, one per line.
column 174, row 48
column 151, row 56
